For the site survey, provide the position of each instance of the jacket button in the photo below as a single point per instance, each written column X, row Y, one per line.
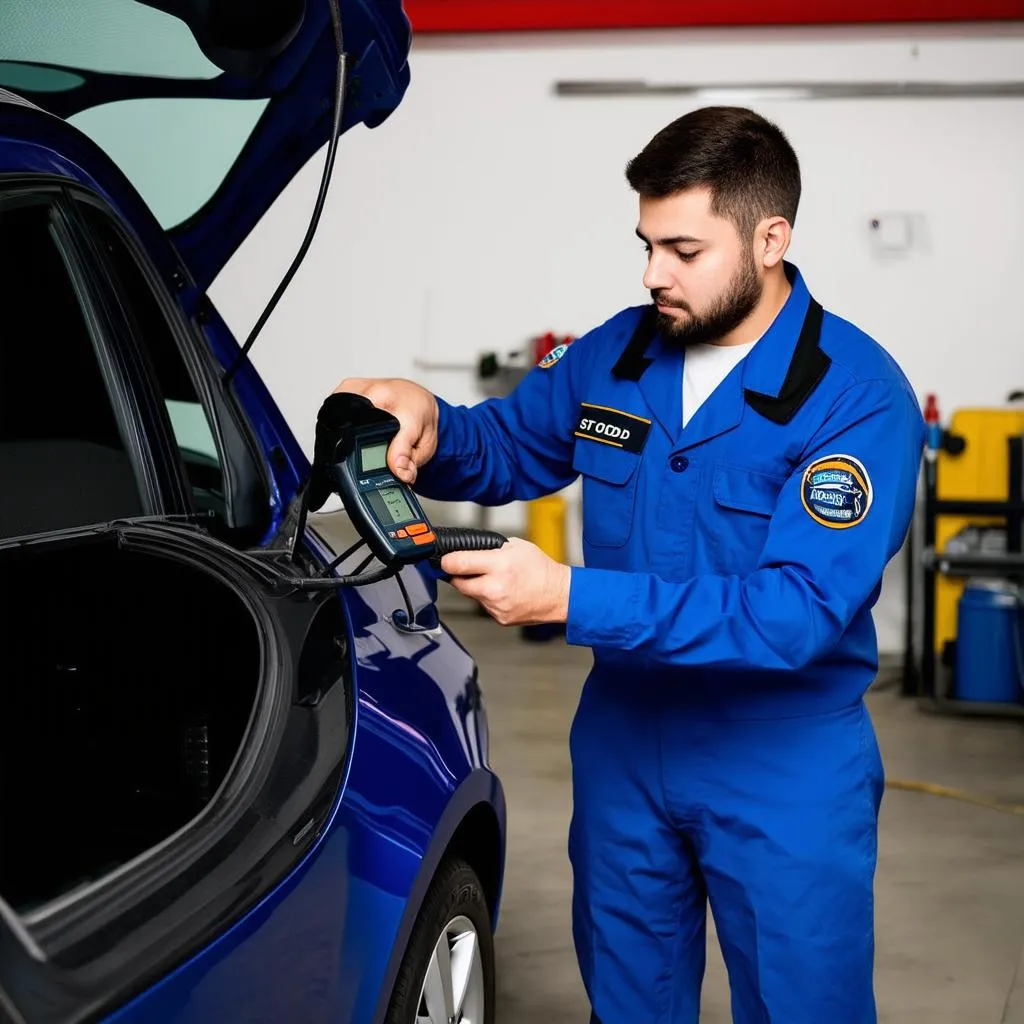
column 679, row 463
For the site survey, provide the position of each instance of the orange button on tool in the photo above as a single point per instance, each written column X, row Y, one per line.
column 417, row 528
column 402, row 534
column 425, row 538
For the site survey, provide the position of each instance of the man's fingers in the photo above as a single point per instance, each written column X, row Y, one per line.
column 392, row 397
column 379, row 393
column 401, row 460
column 469, row 563
column 469, row 586
column 354, row 386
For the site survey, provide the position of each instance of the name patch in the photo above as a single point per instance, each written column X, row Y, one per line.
column 612, row 427
column 837, row 491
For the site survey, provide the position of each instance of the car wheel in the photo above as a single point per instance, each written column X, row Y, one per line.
column 447, row 975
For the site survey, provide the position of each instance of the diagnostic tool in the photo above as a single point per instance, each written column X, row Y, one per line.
column 354, row 436
column 350, row 460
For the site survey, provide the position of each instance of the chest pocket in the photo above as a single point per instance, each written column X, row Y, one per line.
column 744, row 502
column 609, row 492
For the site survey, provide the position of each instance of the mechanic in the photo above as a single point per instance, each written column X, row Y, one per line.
column 749, row 467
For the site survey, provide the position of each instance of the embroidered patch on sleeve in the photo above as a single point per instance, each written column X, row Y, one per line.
column 553, row 356
column 837, row 491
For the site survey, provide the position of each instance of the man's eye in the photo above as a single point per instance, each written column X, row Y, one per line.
column 687, row 257
column 647, row 249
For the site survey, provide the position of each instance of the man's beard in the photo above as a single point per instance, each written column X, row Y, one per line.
column 725, row 314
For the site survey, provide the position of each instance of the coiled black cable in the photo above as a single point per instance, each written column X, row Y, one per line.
column 459, row 538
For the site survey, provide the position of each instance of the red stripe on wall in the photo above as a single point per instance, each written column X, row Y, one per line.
column 533, row 15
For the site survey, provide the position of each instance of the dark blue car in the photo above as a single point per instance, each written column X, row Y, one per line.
column 227, row 795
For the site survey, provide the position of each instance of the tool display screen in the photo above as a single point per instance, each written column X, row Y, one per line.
column 392, row 505
column 374, row 457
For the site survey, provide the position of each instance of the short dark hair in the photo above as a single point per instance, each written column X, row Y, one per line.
column 745, row 160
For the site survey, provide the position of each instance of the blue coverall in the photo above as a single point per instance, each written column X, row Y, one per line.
column 721, row 750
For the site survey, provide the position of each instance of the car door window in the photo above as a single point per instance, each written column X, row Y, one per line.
column 192, row 426
column 63, row 459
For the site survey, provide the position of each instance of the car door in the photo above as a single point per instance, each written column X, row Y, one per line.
column 129, row 843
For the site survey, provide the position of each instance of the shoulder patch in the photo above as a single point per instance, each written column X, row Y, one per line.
column 553, row 356
column 837, row 491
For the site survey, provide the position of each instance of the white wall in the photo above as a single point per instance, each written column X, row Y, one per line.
column 488, row 210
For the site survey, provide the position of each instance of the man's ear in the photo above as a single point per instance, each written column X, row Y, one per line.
column 771, row 241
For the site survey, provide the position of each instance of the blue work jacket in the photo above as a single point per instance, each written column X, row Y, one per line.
column 736, row 558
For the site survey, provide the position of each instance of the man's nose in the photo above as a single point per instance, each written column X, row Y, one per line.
column 656, row 277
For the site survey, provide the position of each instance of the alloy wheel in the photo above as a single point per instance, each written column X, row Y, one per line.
column 453, row 988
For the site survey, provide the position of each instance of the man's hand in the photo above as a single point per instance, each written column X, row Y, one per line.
column 518, row 585
column 414, row 407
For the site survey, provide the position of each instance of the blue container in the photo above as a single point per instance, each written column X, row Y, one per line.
column 989, row 644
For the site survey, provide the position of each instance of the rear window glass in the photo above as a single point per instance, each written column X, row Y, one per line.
column 100, row 35
column 176, row 151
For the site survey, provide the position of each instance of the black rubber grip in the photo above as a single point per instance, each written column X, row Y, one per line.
column 456, row 538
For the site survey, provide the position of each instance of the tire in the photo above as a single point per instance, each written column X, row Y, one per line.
column 454, row 906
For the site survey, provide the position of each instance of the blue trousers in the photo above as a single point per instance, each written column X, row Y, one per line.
column 771, row 822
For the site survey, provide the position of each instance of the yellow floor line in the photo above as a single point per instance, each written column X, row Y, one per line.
column 933, row 789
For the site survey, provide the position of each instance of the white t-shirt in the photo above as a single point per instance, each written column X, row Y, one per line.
column 704, row 368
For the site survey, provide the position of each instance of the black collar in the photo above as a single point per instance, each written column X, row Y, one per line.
column 807, row 367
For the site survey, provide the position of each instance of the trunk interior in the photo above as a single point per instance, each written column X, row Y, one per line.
column 130, row 681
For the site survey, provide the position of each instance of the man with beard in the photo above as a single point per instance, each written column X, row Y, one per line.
column 749, row 467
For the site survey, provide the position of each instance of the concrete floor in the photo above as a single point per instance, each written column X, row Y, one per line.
column 950, row 885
